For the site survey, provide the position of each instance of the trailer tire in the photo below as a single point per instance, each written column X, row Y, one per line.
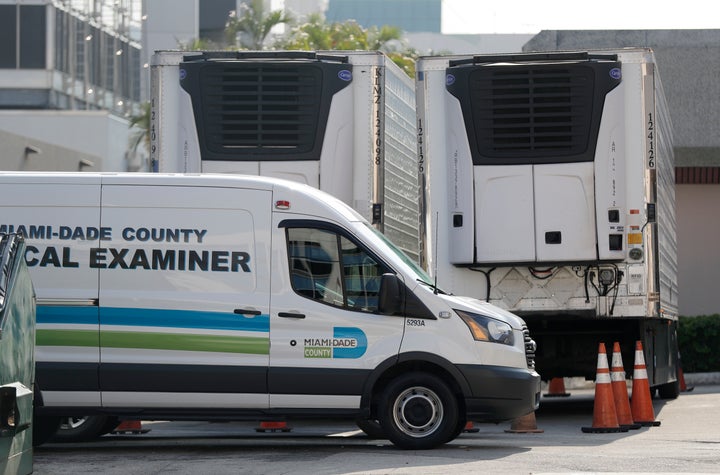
column 669, row 390
column 418, row 411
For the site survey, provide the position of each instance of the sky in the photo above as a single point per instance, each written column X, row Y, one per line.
column 531, row 16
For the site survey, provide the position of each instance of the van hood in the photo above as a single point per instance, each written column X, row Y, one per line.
column 469, row 304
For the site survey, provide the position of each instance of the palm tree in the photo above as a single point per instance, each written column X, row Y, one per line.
column 250, row 27
column 198, row 44
column 317, row 34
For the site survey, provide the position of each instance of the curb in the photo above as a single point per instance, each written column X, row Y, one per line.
column 691, row 379
column 702, row 378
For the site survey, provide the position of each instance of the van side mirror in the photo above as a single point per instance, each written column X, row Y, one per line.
column 389, row 296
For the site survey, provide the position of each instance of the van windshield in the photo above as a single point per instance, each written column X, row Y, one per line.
column 420, row 274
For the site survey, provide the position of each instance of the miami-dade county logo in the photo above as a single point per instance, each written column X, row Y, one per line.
column 346, row 342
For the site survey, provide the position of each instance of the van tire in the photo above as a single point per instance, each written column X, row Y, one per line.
column 459, row 428
column 44, row 428
column 83, row 429
column 371, row 427
column 418, row 411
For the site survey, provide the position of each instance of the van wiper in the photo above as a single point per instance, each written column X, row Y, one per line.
column 435, row 288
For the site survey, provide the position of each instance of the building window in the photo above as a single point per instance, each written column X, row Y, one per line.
column 8, row 36
column 32, row 36
column 22, row 34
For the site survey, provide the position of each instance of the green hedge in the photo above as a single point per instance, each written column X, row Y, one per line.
column 699, row 342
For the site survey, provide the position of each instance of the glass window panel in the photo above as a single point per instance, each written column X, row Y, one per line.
column 32, row 36
column 8, row 36
column 315, row 265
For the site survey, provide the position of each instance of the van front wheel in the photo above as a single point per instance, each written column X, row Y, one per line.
column 372, row 428
column 418, row 411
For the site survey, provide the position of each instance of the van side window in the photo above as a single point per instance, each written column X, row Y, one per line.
column 330, row 268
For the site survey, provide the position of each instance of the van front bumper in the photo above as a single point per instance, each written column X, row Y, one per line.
column 499, row 393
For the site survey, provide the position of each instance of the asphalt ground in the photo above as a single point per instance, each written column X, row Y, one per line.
column 687, row 441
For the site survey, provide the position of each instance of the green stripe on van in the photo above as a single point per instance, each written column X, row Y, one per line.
column 66, row 338
column 186, row 342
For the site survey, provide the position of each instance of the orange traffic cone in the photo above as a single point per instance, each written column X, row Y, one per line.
column 524, row 425
column 556, row 388
column 604, row 415
column 641, row 400
column 470, row 428
column 273, row 426
column 620, row 393
column 681, row 378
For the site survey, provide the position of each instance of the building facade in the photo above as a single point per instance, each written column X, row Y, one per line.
column 74, row 56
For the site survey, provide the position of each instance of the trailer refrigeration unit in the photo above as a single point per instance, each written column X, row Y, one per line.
column 343, row 122
column 548, row 185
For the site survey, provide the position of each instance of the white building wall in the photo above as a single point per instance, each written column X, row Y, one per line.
column 97, row 136
column 437, row 43
column 698, row 258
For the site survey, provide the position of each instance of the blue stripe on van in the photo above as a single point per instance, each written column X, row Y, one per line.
column 145, row 317
column 81, row 315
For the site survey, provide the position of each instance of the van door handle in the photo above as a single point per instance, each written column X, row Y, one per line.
column 291, row 315
column 245, row 311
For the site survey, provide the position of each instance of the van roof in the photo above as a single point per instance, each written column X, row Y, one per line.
column 283, row 189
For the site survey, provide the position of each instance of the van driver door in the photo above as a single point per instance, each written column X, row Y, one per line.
column 326, row 335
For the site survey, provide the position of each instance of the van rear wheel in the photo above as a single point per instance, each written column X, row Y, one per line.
column 44, row 428
column 85, row 428
column 419, row 411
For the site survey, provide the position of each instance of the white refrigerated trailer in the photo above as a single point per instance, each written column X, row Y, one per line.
column 341, row 121
column 548, row 183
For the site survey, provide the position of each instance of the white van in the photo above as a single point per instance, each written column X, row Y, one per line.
column 231, row 297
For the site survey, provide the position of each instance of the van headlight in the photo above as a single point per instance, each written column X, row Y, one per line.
column 487, row 329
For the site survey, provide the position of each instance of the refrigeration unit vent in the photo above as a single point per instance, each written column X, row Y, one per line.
column 254, row 110
column 533, row 113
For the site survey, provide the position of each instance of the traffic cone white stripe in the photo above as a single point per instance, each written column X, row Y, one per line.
column 603, row 378
column 604, row 413
column 619, row 386
column 617, row 377
column 639, row 357
column 641, row 401
column 602, row 362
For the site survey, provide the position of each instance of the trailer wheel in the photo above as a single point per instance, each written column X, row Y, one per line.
column 419, row 411
column 669, row 390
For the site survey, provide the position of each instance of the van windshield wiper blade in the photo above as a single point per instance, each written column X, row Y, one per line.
column 437, row 289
